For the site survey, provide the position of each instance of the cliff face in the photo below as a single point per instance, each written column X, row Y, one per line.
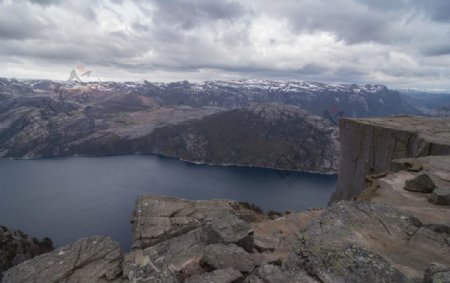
column 369, row 146
column 263, row 135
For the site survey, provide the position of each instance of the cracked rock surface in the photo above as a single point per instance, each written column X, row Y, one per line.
column 93, row 259
column 356, row 241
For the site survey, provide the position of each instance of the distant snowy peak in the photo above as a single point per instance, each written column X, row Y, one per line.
column 255, row 85
column 290, row 86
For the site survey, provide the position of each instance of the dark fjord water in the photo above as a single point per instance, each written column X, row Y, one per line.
column 69, row 198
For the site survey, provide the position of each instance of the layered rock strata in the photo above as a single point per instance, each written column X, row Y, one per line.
column 369, row 145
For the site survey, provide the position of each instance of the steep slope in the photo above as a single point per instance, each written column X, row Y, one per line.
column 267, row 135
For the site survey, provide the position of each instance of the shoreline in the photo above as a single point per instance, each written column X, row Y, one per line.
column 328, row 173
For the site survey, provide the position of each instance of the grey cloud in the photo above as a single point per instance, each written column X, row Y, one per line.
column 438, row 50
column 46, row 2
column 350, row 21
column 18, row 22
column 439, row 10
column 312, row 69
column 189, row 14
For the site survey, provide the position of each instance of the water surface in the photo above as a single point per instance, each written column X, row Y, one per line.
column 69, row 198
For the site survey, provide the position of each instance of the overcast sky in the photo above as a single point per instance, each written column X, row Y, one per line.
column 400, row 43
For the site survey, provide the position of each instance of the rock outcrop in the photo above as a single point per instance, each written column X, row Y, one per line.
column 356, row 241
column 393, row 188
column 176, row 239
column 369, row 145
column 94, row 259
column 17, row 247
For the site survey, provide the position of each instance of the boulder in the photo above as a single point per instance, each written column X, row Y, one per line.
column 420, row 183
column 440, row 196
column 92, row 259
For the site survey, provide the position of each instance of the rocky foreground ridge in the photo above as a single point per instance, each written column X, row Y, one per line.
column 397, row 229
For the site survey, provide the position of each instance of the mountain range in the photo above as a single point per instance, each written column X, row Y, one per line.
column 243, row 122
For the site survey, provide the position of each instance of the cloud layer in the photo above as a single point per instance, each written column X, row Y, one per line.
column 403, row 43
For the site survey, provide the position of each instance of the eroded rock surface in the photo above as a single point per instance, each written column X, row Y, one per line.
column 174, row 239
column 227, row 275
column 392, row 188
column 94, row 259
column 437, row 273
column 355, row 241
column 369, row 145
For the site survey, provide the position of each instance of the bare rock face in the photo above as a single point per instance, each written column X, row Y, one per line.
column 227, row 275
column 178, row 240
column 369, row 145
column 368, row 242
column 16, row 247
column 437, row 273
column 219, row 256
column 174, row 239
column 403, row 188
column 157, row 218
column 279, row 274
column 279, row 235
column 441, row 196
column 94, row 259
